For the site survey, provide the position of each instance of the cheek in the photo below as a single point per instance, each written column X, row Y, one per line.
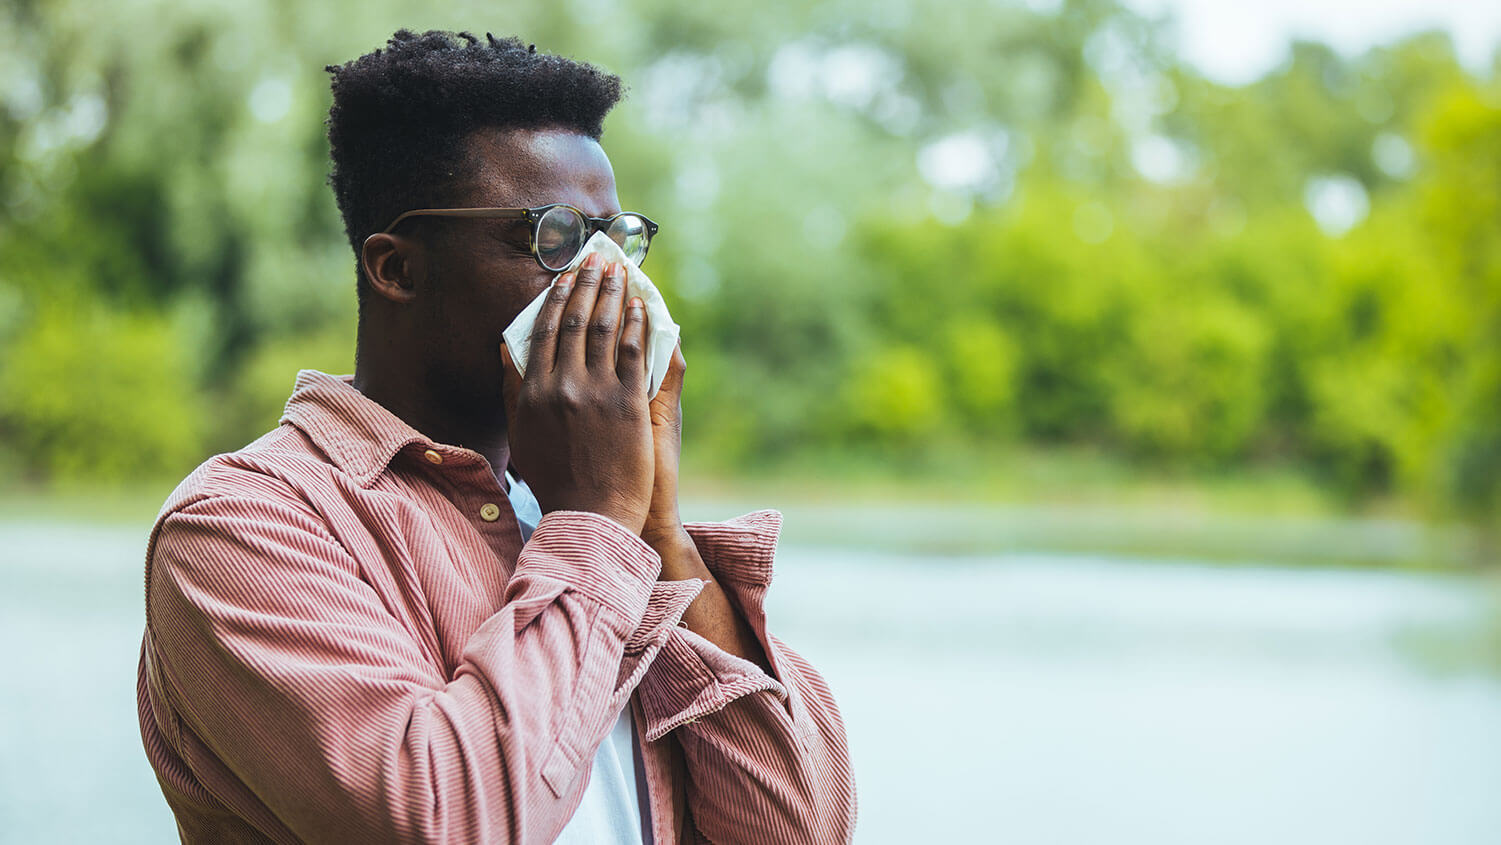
column 514, row 293
column 524, row 293
column 462, row 297
column 476, row 297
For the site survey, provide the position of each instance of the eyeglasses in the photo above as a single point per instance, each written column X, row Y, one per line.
column 560, row 230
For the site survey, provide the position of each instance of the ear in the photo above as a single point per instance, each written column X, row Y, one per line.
column 394, row 266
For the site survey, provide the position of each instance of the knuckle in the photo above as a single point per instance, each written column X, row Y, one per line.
column 574, row 322
column 631, row 348
column 602, row 327
column 569, row 397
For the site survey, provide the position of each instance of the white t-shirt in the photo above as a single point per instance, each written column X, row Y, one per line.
column 614, row 809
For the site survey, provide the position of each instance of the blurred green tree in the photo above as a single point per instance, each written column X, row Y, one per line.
column 884, row 229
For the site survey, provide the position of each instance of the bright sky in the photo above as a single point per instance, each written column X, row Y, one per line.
column 1235, row 41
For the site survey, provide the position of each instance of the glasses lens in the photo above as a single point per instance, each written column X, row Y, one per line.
column 629, row 230
column 560, row 236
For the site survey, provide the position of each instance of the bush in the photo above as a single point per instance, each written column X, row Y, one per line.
column 894, row 397
column 1191, row 379
column 981, row 365
column 90, row 395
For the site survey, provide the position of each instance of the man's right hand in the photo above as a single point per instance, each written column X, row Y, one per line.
column 578, row 424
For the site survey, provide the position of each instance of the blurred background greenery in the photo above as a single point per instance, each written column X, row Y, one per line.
column 966, row 247
column 908, row 244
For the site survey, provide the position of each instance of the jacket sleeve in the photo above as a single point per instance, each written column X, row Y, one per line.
column 766, row 754
column 287, row 666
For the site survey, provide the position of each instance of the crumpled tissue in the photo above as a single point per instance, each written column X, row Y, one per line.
column 661, row 332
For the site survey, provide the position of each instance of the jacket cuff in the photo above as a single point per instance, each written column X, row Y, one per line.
column 740, row 550
column 594, row 555
column 692, row 678
column 739, row 553
column 668, row 602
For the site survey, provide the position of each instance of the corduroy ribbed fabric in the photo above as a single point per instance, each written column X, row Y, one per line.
column 346, row 641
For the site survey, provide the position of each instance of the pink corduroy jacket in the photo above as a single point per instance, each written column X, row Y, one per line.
column 346, row 641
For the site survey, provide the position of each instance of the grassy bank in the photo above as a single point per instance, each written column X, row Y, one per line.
column 964, row 504
column 969, row 502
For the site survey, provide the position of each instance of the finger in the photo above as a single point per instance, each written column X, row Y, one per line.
column 604, row 326
column 544, row 346
column 671, row 391
column 577, row 314
column 510, row 382
column 630, row 359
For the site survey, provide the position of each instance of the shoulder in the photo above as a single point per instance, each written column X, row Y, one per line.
column 243, row 514
column 265, row 492
column 280, row 467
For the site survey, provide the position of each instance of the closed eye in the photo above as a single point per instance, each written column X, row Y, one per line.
column 512, row 239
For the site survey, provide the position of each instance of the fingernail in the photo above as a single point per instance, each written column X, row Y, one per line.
column 592, row 260
column 616, row 271
column 636, row 302
column 565, row 280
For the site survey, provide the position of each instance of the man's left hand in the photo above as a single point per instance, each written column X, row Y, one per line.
column 711, row 615
column 663, row 523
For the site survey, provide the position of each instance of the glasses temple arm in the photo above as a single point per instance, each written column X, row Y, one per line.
column 501, row 213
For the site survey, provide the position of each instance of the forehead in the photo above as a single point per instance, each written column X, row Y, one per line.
column 530, row 167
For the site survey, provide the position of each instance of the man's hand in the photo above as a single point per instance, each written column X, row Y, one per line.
column 663, row 523
column 578, row 424
column 710, row 615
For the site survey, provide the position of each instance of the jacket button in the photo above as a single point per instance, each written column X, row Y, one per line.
column 489, row 512
column 433, row 457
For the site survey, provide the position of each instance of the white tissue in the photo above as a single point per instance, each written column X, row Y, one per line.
column 661, row 332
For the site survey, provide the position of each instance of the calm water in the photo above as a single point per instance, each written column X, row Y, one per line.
column 1007, row 698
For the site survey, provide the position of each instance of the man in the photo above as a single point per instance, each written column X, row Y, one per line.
column 362, row 628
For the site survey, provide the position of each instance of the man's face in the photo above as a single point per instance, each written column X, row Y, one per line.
column 482, row 272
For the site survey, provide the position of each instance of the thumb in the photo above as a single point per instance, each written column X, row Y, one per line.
column 510, row 383
column 671, row 390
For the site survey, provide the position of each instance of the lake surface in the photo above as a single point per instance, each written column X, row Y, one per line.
column 1017, row 698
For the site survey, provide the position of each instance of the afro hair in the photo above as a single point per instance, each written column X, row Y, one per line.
column 401, row 116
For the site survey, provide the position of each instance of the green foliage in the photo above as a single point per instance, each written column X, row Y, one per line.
column 94, row 395
column 883, row 227
column 1460, row 206
column 980, row 361
column 894, row 396
column 1190, row 380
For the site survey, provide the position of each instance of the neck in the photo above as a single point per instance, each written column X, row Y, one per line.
column 419, row 403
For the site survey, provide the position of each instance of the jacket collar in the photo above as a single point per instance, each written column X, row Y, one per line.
column 357, row 433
